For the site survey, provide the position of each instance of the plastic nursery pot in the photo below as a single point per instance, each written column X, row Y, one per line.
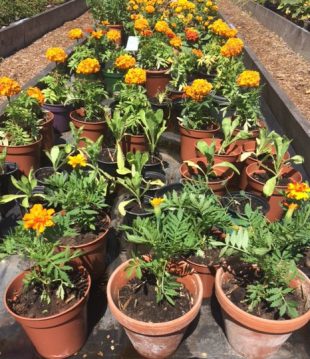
column 155, row 164
column 107, row 161
column 166, row 107
column 61, row 116
column 47, row 132
column 156, row 81
column 133, row 210
column 189, row 139
column 93, row 256
column 43, row 173
column 253, row 133
column 153, row 340
column 174, row 94
column 26, row 157
column 153, row 176
column 218, row 187
column 252, row 336
column 254, row 185
column 111, row 80
column 10, row 169
column 57, row 336
column 91, row 130
column 134, row 143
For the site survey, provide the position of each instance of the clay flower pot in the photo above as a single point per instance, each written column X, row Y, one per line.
column 252, row 336
column 26, row 157
column 153, row 340
column 253, row 133
column 218, row 187
column 276, row 211
column 47, row 132
column 57, row 336
column 134, row 143
column 61, row 116
column 156, row 81
column 189, row 139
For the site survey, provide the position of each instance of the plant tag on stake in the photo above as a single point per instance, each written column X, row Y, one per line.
column 132, row 43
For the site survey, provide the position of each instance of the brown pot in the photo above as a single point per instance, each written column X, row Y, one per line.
column 91, row 130
column 253, row 134
column 156, row 81
column 134, row 143
column 276, row 211
column 218, row 187
column 251, row 336
column 94, row 253
column 153, row 340
column 189, row 139
column 175, row 94
column 26, row 157
column 57, row 336
column 120, row 29
column 47, row 132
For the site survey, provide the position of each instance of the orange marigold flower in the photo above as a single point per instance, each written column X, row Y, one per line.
column 169, row 33
column 141, row 24
column 248, row 78
column 113, row 35
column 37, row 94
column 105, row 22
column 97, row 34
column 233, row 47
column 146, row 33
column 135, row 76
column 75, row 34
column 161, row 26
column 198, row 90
column 191, row 34
column 176, row 42
column 9, row 87
column 197, row 52
column 219, row 27
column 298, row 191
column 38, row 218
column 125, row 62
column 150, row 9
column 88, row 66
column 56, row 54
column 77, row 161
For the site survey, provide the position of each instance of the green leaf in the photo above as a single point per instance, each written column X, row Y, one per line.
column 122, row 206
column 270, row 186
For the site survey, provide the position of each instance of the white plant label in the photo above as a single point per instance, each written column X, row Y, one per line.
column 132, row 43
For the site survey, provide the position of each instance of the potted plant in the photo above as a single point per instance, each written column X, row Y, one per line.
column 7, row 169
column 162, row 101
column 197, row 120
column 157, row 333
column 57, row 323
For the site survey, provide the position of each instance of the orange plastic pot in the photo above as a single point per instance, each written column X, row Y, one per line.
column 156, row 81
column 134, row 143
column 47, row 132
column 252, row 336
column 153, row 340
column 253, row 134
column 57, row 336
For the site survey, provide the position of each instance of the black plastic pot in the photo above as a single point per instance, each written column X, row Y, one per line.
column 10, row 169
column 153, row 176
column 169, row 188
column 154, row 165
column 43, row 173
column 132, row 213
column 106, row 163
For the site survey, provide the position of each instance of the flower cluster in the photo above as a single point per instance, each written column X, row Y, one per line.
column 233, row 47
column 75, row 34
column 141, row 24
column 219, row 27
column 197, row 52
column 113, row 36
column 198, row 90
column 298, row 191
column 182, row 5
column 88, row 66
column 77, row 161
column 176, row 42
column 97, row 34
column 38, row 218
column 9, row 87
column 191, row 34
column 125, row 62
column 248, row 78
column 56, row 54
column 37, row 94
column 135, row 76
column 162, row 26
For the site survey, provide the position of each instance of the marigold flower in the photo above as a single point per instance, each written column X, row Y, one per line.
column 125, row 62
column 233, row 47
column 141, row 24
column 191, row 34
column 161, row 26
column 197, row 52
column 176, row 42
column 219, row 27
column 97, row 34
column 37, row 94
column 135, row 76
column 56, row 54
column 88, row 66
column 157, row 201
column 78, row 160
column 146, row 33
column 9, row 87
column 298, row 191
column 105, row 22
column 150, row 9
column 75, row 34
column 113, row 35
column 248, row 78
column 198, row 90
column 38, row 218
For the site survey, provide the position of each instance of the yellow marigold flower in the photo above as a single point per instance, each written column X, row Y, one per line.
column 9, row 87
column 125, row 62
column 176, row 42
column 113, row 35
column 36, row 93
column 248, row 78
column 161, row 26
column 229, row 33
column 298, row 191
column 198, row 90
column 197, row 52
column 150, row 9
column 78, row 160
column 105, row 22
column 75, row 34
column 38, row 218
column 141, row 24
column 88, row 66
column 135, row 76
column 219, row 27
column 233, row 47
column 56, row 54
column 96, row 34
column 157, row 201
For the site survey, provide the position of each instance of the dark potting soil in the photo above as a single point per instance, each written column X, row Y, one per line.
column 237, row 205
column 137, row 299
column 44, row 173
column 264, row 177
column 107, row 156
column 198, row 177
column 28, row 304
column 80, row 115
column 211, row 257
column 135, row 208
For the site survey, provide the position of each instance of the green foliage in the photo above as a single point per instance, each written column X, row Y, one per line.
column 113, row 11
column 2, row 160
column 81, row 52
column 182, row 66
column 228, row 128
column 57, row 87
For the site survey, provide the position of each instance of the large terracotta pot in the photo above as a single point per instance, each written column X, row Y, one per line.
column 120, row 29
column 218, row 187
column 156, row 81
column 57, row 336
column 47, row 132
column 253, row 134
column 134, row 143
column 61, row 116
column 252, row 336
column 26, row 157
column 276, row 211
column 153, row 340
column 189, row 139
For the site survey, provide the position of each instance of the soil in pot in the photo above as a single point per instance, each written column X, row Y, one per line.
column 154, row 176
column 107, row 161
column 154, row 164
column 43, row 173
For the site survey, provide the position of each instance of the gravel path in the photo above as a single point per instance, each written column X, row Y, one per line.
column 291, row 71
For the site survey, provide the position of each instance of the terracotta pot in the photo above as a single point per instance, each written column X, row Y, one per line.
column 218, row 187
column 57, row 336
column 175, row 94
column 93, row 256
column 276, row 211
column 61, row 116
column 153, row 340
column 156, row 81
column 251, row 336
column 120, row 29
column 189, row 139
column 91, row 130
column 47, row 132
column 253, row 134
column 26, row 157
column 134, row 143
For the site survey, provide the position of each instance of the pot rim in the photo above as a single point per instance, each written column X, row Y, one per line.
column 155, row 72
column 25, row 146
column 49, row 118
column 44, row 318
column 214, row 130
column 84, row 122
